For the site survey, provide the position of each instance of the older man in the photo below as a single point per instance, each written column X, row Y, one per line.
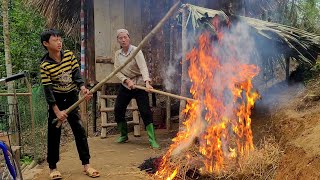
column 136, row 72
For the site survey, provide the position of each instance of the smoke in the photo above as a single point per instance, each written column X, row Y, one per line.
column 170, row 74
column 236, row 45
column 195, row 130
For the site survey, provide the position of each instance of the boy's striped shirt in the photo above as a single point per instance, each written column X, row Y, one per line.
column 60, row 75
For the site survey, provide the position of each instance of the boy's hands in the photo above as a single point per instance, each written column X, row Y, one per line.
column 61, row 115
column 86, row 92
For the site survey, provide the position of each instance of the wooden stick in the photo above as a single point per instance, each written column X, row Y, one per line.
column 165, row 93
column 168, row 113
column 129, row 59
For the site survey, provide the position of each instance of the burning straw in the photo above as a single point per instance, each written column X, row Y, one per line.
column 217, row 130
column 261, row 163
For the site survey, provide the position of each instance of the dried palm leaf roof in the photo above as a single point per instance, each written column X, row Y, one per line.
column 60, row 14
column 65, row 15
column 288, row 41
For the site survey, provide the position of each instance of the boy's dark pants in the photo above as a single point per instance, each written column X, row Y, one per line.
column 64, row 101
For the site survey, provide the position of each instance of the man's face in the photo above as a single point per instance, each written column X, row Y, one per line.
column 54, row 44
column 123, row 39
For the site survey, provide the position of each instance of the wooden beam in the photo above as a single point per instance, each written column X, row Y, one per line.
column 115, row 124
column 104, row 60
column 108, row 96
column 15, row 94
column 111, row 109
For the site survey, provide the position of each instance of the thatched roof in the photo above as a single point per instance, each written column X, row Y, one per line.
column 286, row 41
column 60, row 14
column 65, row 15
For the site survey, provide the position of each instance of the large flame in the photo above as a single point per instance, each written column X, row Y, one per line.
column 220, row 119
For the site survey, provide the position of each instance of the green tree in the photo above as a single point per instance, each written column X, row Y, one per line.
column 309, row 15
column 304, row 14
column 25, row 27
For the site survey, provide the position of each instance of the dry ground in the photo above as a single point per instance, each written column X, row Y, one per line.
column 113, row 160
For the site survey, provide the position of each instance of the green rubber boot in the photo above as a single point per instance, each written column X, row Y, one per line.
column 123, row 128
column 151, row 135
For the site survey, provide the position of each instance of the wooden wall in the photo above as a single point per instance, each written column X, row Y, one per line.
column 139, row 17
column 110, row 15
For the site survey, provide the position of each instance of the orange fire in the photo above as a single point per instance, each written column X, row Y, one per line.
column 220, row 120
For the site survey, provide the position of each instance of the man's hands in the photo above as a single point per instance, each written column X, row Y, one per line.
column 129, row 83
column 148, row 86
column 85, row 92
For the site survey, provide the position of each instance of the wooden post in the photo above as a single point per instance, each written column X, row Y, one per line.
column 32, row 116
column 94, row 112
column 16, row 150
column 168, row 113
column 90, row 51
column 135, row 116
column 287, row 68
column 15, row 124
column 184, row 74
column 103, row 114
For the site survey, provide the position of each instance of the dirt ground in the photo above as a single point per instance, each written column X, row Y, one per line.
column 112, row 160
column 298, row 126
column 292, row 116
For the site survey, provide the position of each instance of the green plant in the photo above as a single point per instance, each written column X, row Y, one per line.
column 26, row 159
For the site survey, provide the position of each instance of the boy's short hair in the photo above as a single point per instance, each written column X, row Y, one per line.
column 45, row 35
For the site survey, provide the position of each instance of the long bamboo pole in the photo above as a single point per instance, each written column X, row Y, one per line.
column 165, row 93
column 129, row 59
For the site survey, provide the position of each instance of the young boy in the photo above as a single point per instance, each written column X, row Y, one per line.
column 60, row 76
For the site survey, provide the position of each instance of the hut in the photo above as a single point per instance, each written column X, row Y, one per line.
column 95, row 23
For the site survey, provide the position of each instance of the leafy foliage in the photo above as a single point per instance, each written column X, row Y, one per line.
column 303, row 14
column 25, row 27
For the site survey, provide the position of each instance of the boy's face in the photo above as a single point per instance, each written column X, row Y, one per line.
column 123, row 39
column 54, row 43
